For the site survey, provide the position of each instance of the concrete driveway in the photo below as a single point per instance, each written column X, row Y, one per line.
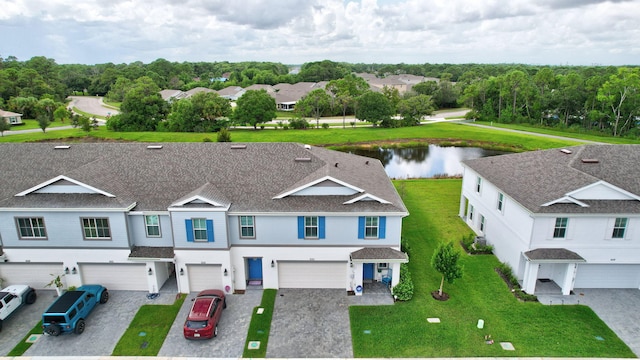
column 105, row 326
column 23, row 320
column 618, row 308
column 310, row 323
column 232, row 330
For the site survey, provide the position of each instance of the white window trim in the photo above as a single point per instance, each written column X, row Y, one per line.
column 612, row 227
column 500, row 204
column 252, row 226
column 31, row 218
column 316, row 226
column 376, row 227
column 206, row 234
column 478, row 184
column 566, row 229
column 483, row 223
column 95, row 225
column 146, row 227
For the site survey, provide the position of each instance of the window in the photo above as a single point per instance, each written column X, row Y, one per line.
column 619, row 228
column 383, row 265
column 482, row 225
column 152, row 223
column 247, row 227
column 370, row 227
column 96, row 228
column 310, row 226
column 478, row 184
column 199, row 230
column 500, row 202
column 31, row 228
column 470, row 212
column 560, row 229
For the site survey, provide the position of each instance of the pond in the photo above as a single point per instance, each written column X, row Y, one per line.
column 425, row 162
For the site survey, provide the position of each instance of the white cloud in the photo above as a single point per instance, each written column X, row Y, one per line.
column 296, row 31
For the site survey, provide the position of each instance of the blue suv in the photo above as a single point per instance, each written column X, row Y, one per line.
column 68, row 313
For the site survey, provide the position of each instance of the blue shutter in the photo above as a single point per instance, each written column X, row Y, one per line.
column 210, row 230
column 321, row 227
column 300, row 227
column 189, row 224
column 361, row 227
column 382, row 227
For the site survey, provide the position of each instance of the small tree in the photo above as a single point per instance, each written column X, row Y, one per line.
column 224, row 135
column 445, row 261
column 43, row 122
column 4, row 126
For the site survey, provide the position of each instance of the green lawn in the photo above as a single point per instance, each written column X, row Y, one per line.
column 33, row 124
column 444, row 133
column 260, row 326
column 402, row 330
column 154, row 321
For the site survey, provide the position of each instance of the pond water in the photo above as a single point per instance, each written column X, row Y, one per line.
column 424, row 162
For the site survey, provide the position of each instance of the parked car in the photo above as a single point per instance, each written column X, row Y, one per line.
column 13, row 297
column 69, row 312
column 205, row 313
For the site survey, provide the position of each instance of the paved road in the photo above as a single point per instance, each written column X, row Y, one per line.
column 530, row 133
column 92, row 105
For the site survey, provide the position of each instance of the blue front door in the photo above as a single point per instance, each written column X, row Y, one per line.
column 255, row 268
column 367, row 271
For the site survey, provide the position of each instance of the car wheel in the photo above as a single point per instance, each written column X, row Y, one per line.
column 80, row 325
column 53, row 330
column 215, row 331
column 104, row 297
column 31, row 297
column 224, row 304
column 0, row 325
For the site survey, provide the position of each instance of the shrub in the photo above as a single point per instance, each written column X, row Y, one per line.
column 404, row 246
column 224, row 135
column 506, row 273
column 404, row 290
column 325, row 125
column 299, row 124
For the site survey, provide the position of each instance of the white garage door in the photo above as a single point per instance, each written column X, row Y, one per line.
column 608, row 276
column 204, row 277
column 35, row 275
column 312, row 274
column 115, row 276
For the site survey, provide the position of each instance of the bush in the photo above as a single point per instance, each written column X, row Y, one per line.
column 299, row 124
column 405, row 247
column 325, row 125
column 224, row 135
column 468, row 245
column 404, row 290
column 506, row 273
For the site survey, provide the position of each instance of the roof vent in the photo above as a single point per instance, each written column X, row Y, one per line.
column 590, row 161
column 336, row 165
column 154, row 147
column 239, row 146
column 303, row 159
column 62, row 147
column 308, row 147
column 366, row 162
column 566, row 151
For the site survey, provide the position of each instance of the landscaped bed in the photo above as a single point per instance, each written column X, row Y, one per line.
column 535, row 330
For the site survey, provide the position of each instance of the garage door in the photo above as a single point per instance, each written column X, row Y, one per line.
column 608, row 276
column 34, row 275
column 315, row 275
column 115, row 276
column 204, row 277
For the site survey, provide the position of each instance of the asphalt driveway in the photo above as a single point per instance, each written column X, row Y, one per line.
column 105, row 326
column 232, row 330
column 310, row 323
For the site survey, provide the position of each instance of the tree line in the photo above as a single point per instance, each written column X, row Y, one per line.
column 588, row 98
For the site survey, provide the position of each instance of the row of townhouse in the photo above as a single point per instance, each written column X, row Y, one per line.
column 134, row 216
column 568, row 216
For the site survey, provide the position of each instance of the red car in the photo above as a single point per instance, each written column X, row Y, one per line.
column 202, row 321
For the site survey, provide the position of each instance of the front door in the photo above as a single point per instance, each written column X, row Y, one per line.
column 367, row 272
column 255, row 271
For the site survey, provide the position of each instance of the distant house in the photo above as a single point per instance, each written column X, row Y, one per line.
column 288, row 95
column 197, row 90
column 170, row 95
column 401, row 82
column 11, row 117
column 565, row 216
column 232, row 92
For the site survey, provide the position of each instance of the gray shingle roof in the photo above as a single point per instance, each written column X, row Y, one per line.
column 153, row 179
column 372, row 253
column 551, row 254
column 539, row 177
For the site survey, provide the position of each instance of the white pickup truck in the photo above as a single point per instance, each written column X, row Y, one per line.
column 13, row 297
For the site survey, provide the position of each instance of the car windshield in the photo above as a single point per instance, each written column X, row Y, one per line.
column 53, row 319
column 196, row 324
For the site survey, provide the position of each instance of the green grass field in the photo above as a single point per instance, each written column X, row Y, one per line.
column 534, row 329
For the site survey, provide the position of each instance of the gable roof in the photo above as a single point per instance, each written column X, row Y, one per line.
column 244, row 179
column 571, row 180
column 5, row 113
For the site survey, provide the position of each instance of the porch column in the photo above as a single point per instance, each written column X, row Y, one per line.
column 530, row 277
column 569, row 278
column 395, row 274
column 463, row 207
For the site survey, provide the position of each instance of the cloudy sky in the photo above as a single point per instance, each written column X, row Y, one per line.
column 545, row 32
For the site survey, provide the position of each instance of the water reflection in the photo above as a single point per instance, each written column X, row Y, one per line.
column 425, row 162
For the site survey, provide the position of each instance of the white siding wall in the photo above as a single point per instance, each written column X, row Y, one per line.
column 508, row 231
